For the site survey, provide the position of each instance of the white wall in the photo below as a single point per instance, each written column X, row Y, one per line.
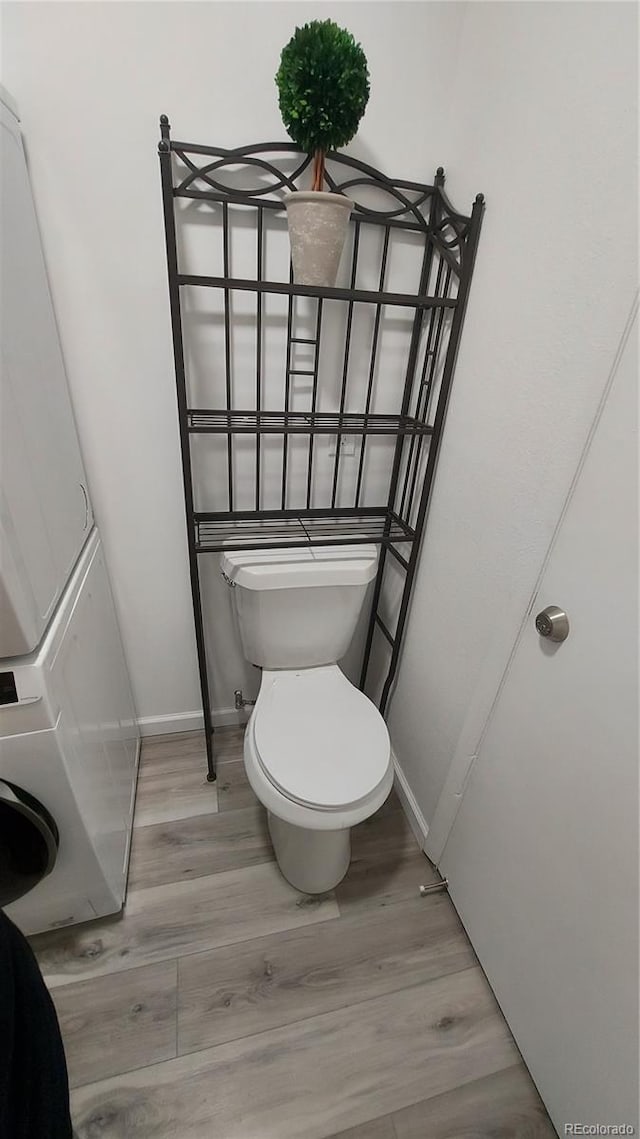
column 544, row 124
column 91, row 80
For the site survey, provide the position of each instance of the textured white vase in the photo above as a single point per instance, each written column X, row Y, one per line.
column 317, row 231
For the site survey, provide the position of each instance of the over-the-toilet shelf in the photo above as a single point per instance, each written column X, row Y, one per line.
column 324, row 416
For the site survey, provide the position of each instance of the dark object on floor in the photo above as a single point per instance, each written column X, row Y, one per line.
column 34, row 1088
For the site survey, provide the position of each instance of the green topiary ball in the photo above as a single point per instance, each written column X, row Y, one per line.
column 323, row 84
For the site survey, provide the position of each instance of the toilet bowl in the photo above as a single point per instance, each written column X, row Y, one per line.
column 318, row 757
column 316, row 751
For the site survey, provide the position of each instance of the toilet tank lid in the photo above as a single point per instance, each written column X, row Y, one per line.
column 302, row 567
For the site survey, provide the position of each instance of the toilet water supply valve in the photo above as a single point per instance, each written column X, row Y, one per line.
column 238, row 698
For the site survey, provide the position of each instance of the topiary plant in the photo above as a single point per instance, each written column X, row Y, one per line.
column 323, row 85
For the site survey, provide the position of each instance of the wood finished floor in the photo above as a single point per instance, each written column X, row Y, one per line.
column 224, row 1004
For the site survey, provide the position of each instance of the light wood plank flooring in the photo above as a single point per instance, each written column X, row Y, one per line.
column 224, row 1004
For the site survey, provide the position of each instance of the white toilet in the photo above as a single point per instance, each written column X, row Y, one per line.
column 316, row 750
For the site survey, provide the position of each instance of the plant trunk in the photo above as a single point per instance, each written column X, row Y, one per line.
column 318, row 170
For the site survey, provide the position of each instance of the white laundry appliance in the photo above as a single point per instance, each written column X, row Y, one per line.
column 68, row 734
column 69, row 740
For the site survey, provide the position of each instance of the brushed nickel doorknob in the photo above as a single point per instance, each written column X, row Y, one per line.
column 553, row 623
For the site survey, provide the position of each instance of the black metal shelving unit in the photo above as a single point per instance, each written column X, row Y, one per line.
column 413, row 214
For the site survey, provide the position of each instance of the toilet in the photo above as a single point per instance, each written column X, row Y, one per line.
column 316, row 749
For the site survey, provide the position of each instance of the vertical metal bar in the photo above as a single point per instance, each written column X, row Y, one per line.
column 417, row 329
column 375, row 601
column 406, row 399
column 164, row 150
column 415, row 449
column 345, row 366
column 227, row 342
column 259, row 351
column 314, row 396
column 425, row 365
column 287, row 389
column 436, row 353
column 468, row 260
column 372, row 360
column 426, row 395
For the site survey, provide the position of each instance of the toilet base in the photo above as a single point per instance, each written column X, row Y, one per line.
column 313, row 861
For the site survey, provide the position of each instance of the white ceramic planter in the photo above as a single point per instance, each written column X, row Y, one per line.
column 317, row 231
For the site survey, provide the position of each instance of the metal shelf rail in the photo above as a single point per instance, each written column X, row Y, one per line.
column 447, row 242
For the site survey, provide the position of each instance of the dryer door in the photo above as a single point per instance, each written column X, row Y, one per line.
column 29, row 842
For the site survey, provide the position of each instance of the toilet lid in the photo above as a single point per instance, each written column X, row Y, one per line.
column 319, row 740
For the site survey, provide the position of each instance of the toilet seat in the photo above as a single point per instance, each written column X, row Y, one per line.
column 319, row 740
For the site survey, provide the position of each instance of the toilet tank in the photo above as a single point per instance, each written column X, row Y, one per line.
column 298, row 608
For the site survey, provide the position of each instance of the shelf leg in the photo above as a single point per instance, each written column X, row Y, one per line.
column 164, row 150
column 372, row 619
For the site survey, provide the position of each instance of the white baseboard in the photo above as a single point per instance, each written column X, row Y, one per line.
column 188, row 722
column 417, row 821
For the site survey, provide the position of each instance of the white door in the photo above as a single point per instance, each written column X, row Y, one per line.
column 542, row 859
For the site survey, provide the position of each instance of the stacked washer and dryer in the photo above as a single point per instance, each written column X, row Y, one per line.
column 69, row 740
